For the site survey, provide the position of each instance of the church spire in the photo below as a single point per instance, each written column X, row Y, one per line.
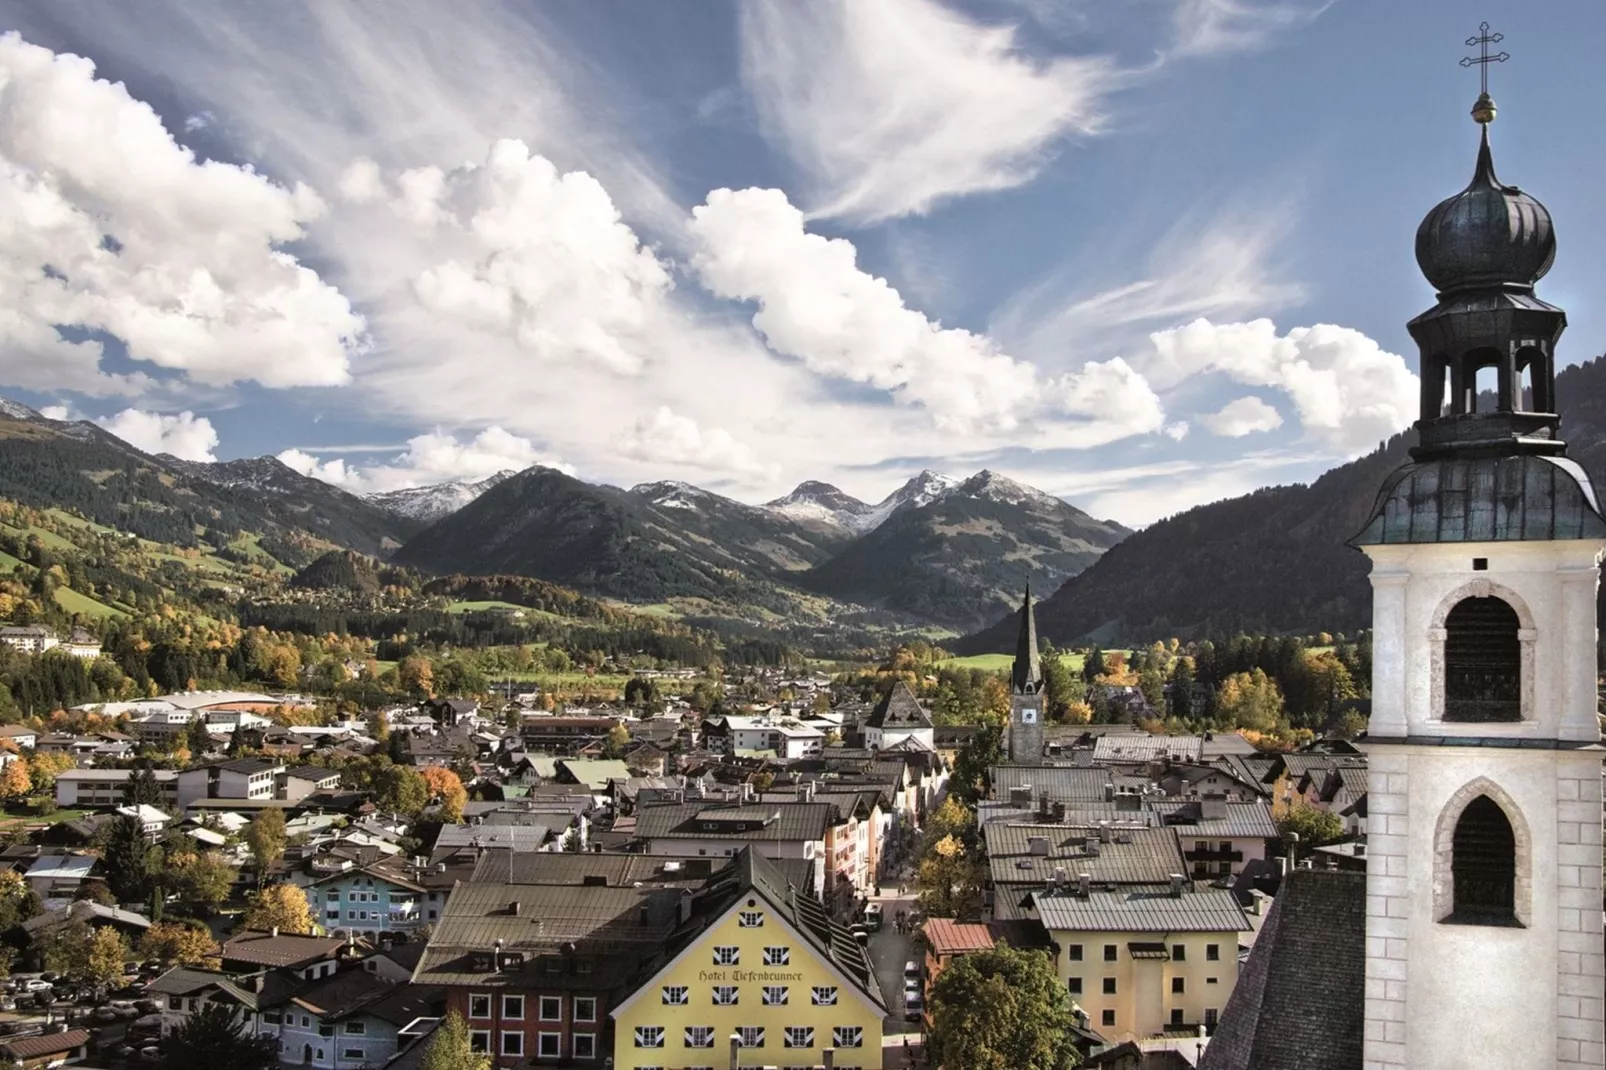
column 1026, row 677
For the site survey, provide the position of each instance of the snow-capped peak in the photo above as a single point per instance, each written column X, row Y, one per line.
column 994, row 487
column 813, row 501
column 17, row 410
column 671, row 494
column 438, row 499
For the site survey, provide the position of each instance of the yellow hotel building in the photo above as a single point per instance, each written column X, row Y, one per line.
column 773, row 981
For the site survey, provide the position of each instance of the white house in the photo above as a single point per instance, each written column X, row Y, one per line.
column 897, row 717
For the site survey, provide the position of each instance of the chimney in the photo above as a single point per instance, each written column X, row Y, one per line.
column 1084, row 884
column 1037, row 845
column 274, row 931
column 1176, row 886
column 1360, row 850
column 1059, row 813
column 829, row 1057
column 1104, row 832
column 1109, row 793
column 1090, row 844
column 496, row 957
column 513, row 908
column 256, row 982
column 643, row 914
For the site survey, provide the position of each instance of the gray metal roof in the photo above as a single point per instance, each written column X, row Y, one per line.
column 1212, row 911
column 765, row 821
column 1133, row 856
column 899, row 709
column 1143, row 748
column 1484, row 499
column 1243, row 819
column 1060, row 783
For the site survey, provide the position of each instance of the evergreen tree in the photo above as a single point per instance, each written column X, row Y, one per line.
column 197, row 738
column 971, row 779
column 130, row 859
column 142, row 788
column 1061, row 687
column 1179, row 700
column 1093, row 667
column 211, row 1038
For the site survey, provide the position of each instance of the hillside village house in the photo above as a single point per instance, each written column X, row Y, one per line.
column 80, row 788
column 787, row 830
column 783, row 737
column 772, row 981
column 20, row 737
column 897, row 718
column 1219, row 838
column 28, row 638
column 389, row 895
column 80, row 644
column 1141, row 962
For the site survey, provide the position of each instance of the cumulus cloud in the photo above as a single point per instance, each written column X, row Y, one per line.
column 895, row 105
column 185, row 435
column 667, row 438
column 56, row 412
column 107, row 224
column 1349, row 391
column 816, row 305
column 434, row 457
column 1240, row 417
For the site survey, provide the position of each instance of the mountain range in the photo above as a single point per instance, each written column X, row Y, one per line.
column 1272, row 561
column 938, row 553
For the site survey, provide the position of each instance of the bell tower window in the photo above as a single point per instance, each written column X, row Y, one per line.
column 1482, row 662
column 1484, row 866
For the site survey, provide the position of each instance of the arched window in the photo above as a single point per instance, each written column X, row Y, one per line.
column 1482, row 662
column 1484, row 866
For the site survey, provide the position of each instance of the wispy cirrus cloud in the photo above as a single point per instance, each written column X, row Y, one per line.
column 894, row 106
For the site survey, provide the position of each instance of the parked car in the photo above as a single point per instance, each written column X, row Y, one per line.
column 37, row 984
column 104, row 1014
column 913, row 1006
column 911, row 971
column 151, row 1054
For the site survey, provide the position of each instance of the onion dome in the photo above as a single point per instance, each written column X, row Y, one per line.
column 1489, row 234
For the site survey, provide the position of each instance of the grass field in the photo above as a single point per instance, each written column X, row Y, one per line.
column 480, row 607
column 73, row 602
column 7, row 562
column 1002, row 662
column 9, row 820
column 49, row 538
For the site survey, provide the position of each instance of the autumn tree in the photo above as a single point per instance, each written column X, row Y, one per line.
column 264, row 838
column 171, row 943
column 1250, row 700
column 203, row 878
column 15, row 781
column 618, row 739
column 85, row 954
column 1002, row 1009
column 1313, row 826
column 950, row 880
column 279, row 906
column 449, row 1048
column 448, row 787
column 43, row 768
column 416, row 675
column 400, row 789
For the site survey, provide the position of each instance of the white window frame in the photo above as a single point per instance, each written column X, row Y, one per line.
column 777, row 956
column 514, row 1035
column 486, row 996
column 541, row 1009
column 750, row 919
column 649, row 1036
column 792, row 1032
column 577, row 1039
column 750, row 1036
column 676, row 995
column 481, row 1037
column 847, row 1036
column 777, row 995
column 706, row 1041
column 727, row 955
column 541, row 1042
column 510, row 1000
column 591, row 1015
column 824, row 995
column 726, row 995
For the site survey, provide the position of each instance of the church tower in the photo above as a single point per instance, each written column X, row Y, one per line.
column 1025, row 692
column 1483, row 929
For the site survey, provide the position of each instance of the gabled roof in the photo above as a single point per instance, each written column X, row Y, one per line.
column 1241, row 819
column 1213, row 910
column 898, row 709
column 87, row 911
column 833, row 943
column 1300, row 999
column 24, row 1048
column 283, row 949
column 1133, row 856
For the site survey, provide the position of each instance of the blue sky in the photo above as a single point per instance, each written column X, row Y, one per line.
column 1142, row 255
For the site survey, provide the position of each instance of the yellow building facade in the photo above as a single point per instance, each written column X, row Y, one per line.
column 1141, row 963
column 772, row 976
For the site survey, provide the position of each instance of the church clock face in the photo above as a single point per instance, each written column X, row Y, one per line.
column 1028, row 716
